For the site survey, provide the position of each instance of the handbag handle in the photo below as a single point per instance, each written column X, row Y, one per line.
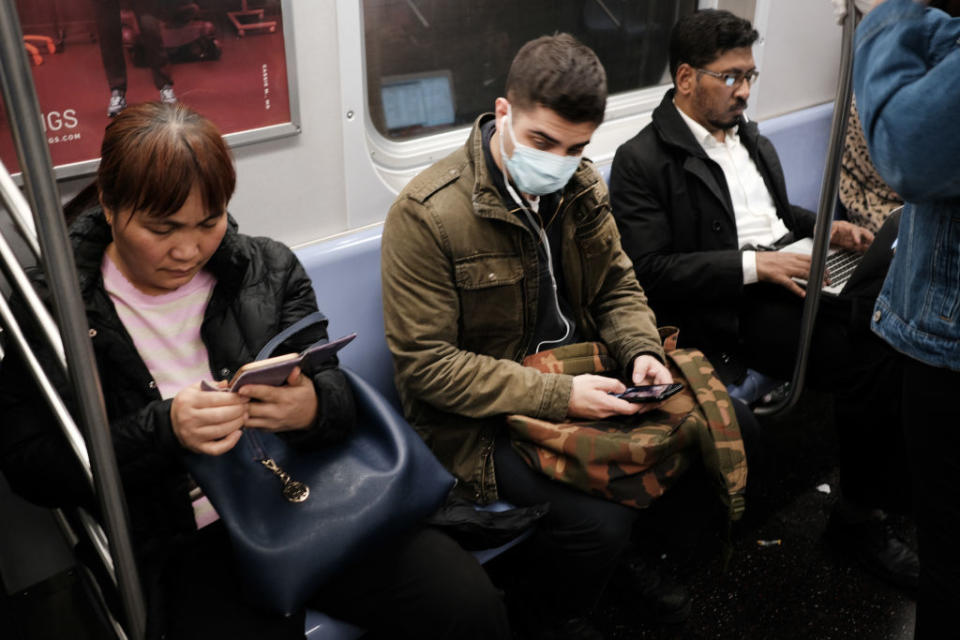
column 307, row 321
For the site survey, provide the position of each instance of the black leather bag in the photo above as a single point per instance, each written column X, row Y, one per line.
column 296, row 518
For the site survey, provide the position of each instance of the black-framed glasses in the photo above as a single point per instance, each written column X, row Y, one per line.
column 732, row 79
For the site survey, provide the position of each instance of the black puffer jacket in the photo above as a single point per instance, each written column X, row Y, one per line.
column 261, row 289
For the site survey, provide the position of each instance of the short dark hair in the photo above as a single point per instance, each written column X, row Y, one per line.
column 152, row 156
column 702, row 37
column 562, row 74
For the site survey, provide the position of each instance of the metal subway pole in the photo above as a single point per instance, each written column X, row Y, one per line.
column 821, row 233
column 25, row 119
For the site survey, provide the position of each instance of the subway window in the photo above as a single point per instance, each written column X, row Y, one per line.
column 435, row 65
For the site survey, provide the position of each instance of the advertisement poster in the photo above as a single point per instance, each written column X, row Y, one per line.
column 226, row 63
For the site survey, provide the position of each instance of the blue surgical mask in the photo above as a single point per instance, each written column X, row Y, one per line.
column 534, row 171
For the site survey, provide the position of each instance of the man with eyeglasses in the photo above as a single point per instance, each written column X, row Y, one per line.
column 698, row 195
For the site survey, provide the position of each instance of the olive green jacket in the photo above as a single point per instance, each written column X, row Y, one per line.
column 460, row 287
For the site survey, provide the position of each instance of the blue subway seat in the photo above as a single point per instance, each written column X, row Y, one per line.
column 345, row 271
column 801, row 139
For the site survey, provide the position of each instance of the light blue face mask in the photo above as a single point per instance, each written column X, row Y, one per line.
column 534, row 171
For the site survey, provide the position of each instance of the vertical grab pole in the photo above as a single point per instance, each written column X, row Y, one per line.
column 24, row 112
column 821, row 232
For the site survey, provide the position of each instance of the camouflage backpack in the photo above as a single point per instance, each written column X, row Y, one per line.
column 635, row 459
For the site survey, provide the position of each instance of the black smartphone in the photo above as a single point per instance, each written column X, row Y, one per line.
column 650, row 393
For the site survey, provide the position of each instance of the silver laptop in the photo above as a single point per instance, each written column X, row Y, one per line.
column 844, row 267
column 841, row 264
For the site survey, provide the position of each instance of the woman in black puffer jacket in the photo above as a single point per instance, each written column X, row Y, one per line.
column 174, row 294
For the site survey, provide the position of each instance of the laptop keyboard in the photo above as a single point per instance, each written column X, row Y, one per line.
column 840, row 266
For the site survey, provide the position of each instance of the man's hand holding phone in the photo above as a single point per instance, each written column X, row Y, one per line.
column 650, row 393
column 591, row 398
column 649, row 370
column 595, row 397
column 653, row 384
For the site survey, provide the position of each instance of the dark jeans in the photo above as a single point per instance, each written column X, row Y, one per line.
column 861, row 371
column 931, row 420
column 149, row 17
column 423, row 586
column 577, row 543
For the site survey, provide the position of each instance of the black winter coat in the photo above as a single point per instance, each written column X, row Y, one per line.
column 676, row 219
column 261, row 289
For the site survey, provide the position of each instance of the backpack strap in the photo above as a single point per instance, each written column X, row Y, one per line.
column 723, row 450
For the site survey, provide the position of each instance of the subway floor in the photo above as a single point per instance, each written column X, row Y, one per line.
column 783, row 580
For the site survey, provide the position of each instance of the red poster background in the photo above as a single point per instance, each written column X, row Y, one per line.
column 246, row 88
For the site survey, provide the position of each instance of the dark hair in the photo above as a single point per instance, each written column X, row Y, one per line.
column 152, row 156
column 702, row 37
column 562, row 74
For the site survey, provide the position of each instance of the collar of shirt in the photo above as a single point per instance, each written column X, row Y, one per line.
column 704, row 137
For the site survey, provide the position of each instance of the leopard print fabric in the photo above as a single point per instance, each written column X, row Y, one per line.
column 863, row 192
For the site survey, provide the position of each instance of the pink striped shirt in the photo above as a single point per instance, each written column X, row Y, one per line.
column 165, row 328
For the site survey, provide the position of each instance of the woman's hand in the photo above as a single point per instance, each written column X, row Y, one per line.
column 208, row 422
column 282, row 408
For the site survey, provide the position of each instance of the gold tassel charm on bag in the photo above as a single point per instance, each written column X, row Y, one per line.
column 292, row 490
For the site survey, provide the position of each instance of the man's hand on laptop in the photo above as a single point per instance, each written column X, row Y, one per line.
column 781, row 267
column 590, row 398
column 849, row 236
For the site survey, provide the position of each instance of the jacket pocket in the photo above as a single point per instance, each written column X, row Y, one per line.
column 491, row 295
column 597, row 246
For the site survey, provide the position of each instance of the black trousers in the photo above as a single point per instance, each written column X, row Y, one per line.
column 862, row 372
column 149, row 16
column 932, row 423
column 578, row 543
column 422, row 586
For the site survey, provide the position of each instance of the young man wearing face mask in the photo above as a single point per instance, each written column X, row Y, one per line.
column 505, row 248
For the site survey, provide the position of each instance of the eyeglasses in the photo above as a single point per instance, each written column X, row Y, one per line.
column 733, row 79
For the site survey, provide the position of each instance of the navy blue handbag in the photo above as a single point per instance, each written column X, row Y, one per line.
column 295, row 518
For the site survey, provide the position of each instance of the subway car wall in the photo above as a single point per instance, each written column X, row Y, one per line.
column 341, row 172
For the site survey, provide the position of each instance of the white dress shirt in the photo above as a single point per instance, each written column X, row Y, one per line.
column 753, row 207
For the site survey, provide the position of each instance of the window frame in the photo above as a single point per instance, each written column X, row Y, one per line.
column 370, row 158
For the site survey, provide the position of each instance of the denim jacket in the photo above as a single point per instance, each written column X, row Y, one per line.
column 907, row 83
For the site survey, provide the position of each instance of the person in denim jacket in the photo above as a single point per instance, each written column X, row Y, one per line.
column 907, row 83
